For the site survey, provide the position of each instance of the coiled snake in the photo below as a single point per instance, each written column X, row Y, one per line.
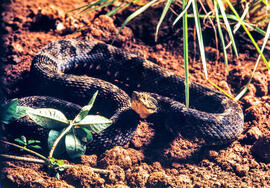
column 60, row 70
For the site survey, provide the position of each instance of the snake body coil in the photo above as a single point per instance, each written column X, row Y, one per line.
column 60, row 70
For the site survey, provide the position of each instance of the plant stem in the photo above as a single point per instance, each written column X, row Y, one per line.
column 26, row 149
column 59, row 138
column 23, row 158
column 95, row 170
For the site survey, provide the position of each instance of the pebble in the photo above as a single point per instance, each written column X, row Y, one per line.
column 60, row 27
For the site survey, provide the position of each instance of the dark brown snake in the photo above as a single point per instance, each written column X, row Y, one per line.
column 73, row 70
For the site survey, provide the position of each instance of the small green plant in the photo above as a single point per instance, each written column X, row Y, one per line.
column 77, row 133
column 30, row 144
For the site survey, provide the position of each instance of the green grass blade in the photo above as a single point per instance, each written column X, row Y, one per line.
column 199, row 34
column 250, row 36
column 234, row 18
column 76, row 9
column 98, row 7
column 257, row 62
column 164, row 12
column 133, row 15
column 185, row 37
column 221, row 36
column 117, row 9
column 237, row 26
column 92, row 5
column 222, row 10
column 183, row 12
column 223, row 91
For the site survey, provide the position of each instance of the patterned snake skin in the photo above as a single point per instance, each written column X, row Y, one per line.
column 74, row 69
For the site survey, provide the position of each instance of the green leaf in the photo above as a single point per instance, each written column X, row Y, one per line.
column 164, row 12
column 7, row 111
column 35, row 147
column 74, row 147
column 33, row 142
column 85, row 110
column 20, row 141
column 95, row 123
column 84, row 135
column 21, row 112
column 48, row 118
column 53, row 135
column 23, row 138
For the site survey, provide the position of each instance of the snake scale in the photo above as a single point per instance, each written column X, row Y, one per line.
column 73, row 70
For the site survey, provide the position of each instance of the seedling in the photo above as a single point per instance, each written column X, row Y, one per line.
column 77, row 132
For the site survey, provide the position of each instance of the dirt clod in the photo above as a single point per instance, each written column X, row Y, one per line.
column 117, row 174
column 137, row 176
column 159, row 179
column 252, row 135
column 261, row 149
column 121, row 157
column 83, row 176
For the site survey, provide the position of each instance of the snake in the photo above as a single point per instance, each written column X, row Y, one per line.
column 66, row 73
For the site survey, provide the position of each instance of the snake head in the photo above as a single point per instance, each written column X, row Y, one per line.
column 144, row 104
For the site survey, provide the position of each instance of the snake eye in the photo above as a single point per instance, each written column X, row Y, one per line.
column 144, row 104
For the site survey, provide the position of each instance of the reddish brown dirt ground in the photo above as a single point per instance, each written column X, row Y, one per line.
column 27, row 26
